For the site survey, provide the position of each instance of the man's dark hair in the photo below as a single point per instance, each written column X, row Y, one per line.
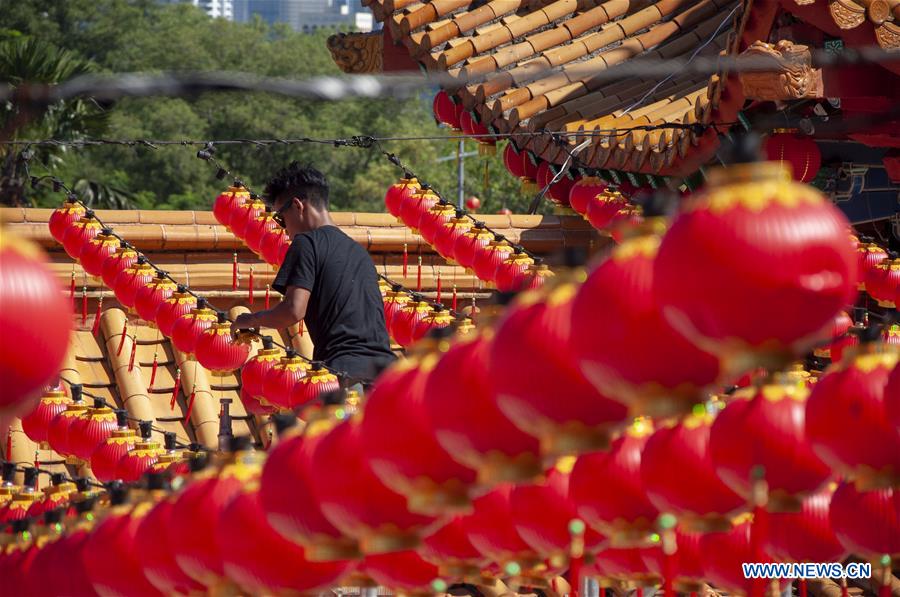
column 303, row 182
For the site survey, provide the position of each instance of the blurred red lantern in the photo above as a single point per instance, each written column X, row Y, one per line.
column 355, row 500
column 152, row 295
column 279, row 383
column 56, row 495
column 445, row 110
column 488, row 259
column 79, row 234
column 141, row 457
column 807, row 535
column 840, row 324
column 449, row 548
column 529, row 170
column 219, row 352
column 512, row 160
column 602, row 208
column 626, row 220
column 398, row 193
column 618, row 298
column 57, row 569
column 869, row 255
column 724, row 553
column 37, row 423
column 227, row 203
column 432, row 220
column 614, row 565
column 583, row 190
column 35, row 323
column 472, row 125
column 177, row 304
column 492, row 529
column 58, row 431
column 90, row 430
column 317, row 381
column 473, row 203
column 417, row 205
column 536, row 380
column 412, row 463
column 766, row 431
column 406, row 319
column 123, row 258
column 623, row 514
column 558, row 192
column 438, row 318
column 97, row 251
column 158, row 555
column 131, row 280
column 394, row 301
column 245, row 214
column 679, row 477
column 187, row 328
column 845, row 418
column 105, row 459
column 776, row 266
column 511, row 274
column 274, row 246
column 798, row 153
column 684, row 567
column 403, row 571
column 891, row 397
column 537, row 275
column 257, row 230
column 471, row 244
column 255, row 370
column 867, row 523
column 447, row 236
column 883, row 282
column 22, row 500
column 63, row 217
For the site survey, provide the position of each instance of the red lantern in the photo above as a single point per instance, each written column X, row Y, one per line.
column 471, row 244
column 64, row 217
column 625, row 565
column 626, row 220
column 891, row 397
column 807, row 535
column 356, row 501
column 434, row 219
column 490, row 257
column 97, row 251
column 218, row 352
column 315, row 383
column 447, row 236
column 472, row 125
column 279, row 383
column 254, row 371
column 177, row 304
column 405, row 321
column 511, row 274
column 257, row 230
column 867, row 523
column 530, row 363
column 414, row 207
column 57, row 568
column 529, row 170
column 35, row 323
column 679, row 477
column 56, row 495
column 105, row 459
column 403, row 571
column 583, row 190
column 799, row 154
column 492, row 529
column 869, row 255
column 412, row 463
column 123, row 258
column 449, row 548
column 766, row 430
column 684, row 567
column 883, row 282
column 158, row 556
column 756, row 267
column 394, row 301
column 141, row 457
column 437, row 319
column 467, row 422
column 602, row 208
column 187, row 329
column 274, row 246
column 90, row 430
column 17, row 507
column 558, row 192
column 58, row 431
column 537, row 275
column 37, row 423
column 131, row 280
column 623, row 514
column 512, row 160
column 840, row 325
column 724, row 553
column 152, row 295
column 845, row 418
column 473, row 203
column 244, row 215
column 398, row 193
column 227, row 203
column 445, row 110
column 79, row 234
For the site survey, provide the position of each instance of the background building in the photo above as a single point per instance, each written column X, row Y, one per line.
column 306, row 15
column 214, row 8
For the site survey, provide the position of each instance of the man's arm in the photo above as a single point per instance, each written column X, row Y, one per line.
column 289, row 311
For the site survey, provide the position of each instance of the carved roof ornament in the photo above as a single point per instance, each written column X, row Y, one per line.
column 357, row 53
column 792, row 75
column 846, row 14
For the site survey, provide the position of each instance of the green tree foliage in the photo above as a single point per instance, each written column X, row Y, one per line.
column 142, row 35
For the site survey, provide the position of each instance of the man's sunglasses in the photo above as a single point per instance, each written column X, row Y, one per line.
column 278, row 216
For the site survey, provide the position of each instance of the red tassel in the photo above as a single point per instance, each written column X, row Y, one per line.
column 153, row 371
column 83, row 305
column 190, row 408
column 300, row 328
column 175, row 389
column 234, row 272
column 844, row 591
column 639, row 592
column 250, row 286
column 405, row 262
column 267, row 296
column 122, row 338
column 802, row 587
column 133, row 352
column 885, row 589
column 693, row 594
column 72, row 288
column 453, row 302
column 419, row 275
column 439, row 287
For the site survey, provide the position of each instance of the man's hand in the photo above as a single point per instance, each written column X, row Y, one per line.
column 242, row 322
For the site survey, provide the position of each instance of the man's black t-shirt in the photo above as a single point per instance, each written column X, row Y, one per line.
column 345, row 316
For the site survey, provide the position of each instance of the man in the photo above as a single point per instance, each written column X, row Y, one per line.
column 327, row 279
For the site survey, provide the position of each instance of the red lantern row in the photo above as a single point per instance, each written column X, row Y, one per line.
column 250, row 220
